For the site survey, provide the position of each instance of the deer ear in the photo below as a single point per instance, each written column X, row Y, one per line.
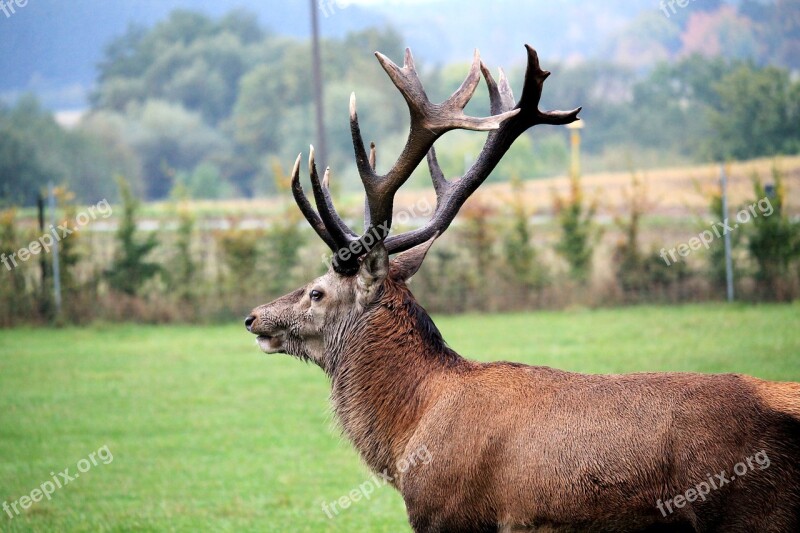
column 371, row 273
column 408, row 263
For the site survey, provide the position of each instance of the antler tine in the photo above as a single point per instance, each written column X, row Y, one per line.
column 326, row 179
column 372, row 165
column 326, row 186
column 305, row 207
column 365, row 169
column 338, row 230
column 461, row 97
column 532, row 94
column 452, row 195
column 372, row 156
column 500, row 97
column 440, row 183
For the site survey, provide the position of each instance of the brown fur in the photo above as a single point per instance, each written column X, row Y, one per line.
column 524, row 448
column 534, row 447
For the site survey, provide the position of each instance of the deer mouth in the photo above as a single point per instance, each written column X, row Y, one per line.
column 271, row 343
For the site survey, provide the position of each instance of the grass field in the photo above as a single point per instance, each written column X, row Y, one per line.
column 209, row 434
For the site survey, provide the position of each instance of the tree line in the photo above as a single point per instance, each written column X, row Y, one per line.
column 212, row 108
column 493, row 259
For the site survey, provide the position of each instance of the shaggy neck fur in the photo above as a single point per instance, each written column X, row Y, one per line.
column 384, row 379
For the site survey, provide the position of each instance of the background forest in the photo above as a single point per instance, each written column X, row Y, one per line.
column 189, row 120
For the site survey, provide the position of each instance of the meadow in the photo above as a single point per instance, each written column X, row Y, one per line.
column 209, row 434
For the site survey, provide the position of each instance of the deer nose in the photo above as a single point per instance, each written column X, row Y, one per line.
column 248, row 322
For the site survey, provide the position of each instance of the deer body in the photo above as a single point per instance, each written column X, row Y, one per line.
column 516, row 447
column 528, row 447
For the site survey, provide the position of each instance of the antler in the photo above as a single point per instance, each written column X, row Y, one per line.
column 428, row 122
column 451, row 195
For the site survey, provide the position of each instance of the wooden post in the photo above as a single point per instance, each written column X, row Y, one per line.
column 56, row 269
column 42, row 258
column 723, row 180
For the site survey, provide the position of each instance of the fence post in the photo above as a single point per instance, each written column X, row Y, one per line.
column 723, row 179
column 56, row 270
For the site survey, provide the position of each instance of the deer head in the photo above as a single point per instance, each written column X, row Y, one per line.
column 317, row 322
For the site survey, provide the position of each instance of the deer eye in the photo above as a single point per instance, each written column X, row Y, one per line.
column 316, row 295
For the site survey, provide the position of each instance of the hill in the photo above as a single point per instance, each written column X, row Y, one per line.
column 57, row 44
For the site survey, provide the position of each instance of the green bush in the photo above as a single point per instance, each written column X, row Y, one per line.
column 521, row 256
column 579, row 234
column 774, row 241
column 130, row 268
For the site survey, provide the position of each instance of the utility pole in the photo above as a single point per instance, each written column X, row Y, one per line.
column 321, row 147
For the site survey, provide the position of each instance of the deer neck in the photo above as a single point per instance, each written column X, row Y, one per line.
column 390, row 372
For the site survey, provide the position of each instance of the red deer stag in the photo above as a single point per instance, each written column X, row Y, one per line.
column 516, row 447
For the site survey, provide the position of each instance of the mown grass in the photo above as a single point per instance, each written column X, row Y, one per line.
column 209, row 434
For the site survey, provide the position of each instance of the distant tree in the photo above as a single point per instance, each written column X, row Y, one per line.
column 778, row 28
column 69, row 249
column 187, row 59
column 15, row 300
column 169, row 139
column 604, row 90
column 266, row 93
column 647, row 39
column 629, row 261
column 183, row 273
column 677, row 97
column 130, row 268
column 787, row 39
column 757, row 114
column 285, row 238
column 239, row 250
column 30, row 143
column 520, row 254
column 205, row 182
column 579, row 234
column 22, row 175
column 35, row 150
column 774, row 240
column 478, row 236
column 242, row 24
column 722, row 32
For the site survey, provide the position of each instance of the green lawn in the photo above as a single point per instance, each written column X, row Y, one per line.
column 209, row 434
